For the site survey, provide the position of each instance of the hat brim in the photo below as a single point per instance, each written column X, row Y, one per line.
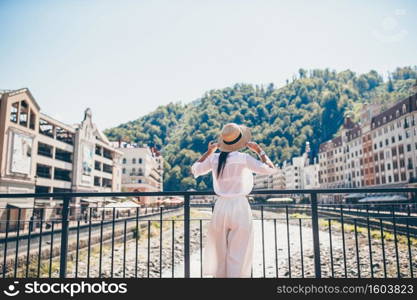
column 246, row 136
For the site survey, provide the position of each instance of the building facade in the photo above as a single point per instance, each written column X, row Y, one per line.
column 142, row 171
column 381, row 150
column 41, row 154
column 301, row 172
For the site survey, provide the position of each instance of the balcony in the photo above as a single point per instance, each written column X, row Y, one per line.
column 309, row 239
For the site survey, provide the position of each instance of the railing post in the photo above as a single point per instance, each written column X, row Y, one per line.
column 187, row 236
column 64, row 238
column 316, row 239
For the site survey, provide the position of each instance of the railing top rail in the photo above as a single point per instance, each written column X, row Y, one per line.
column 209, row 193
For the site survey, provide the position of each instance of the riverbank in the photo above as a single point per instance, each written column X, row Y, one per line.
column 281, row 250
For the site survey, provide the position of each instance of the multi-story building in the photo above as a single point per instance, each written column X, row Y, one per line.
column 302, row 172
column 298, row 173
column 353, row 174
column 262, row 182
column 331, row 156
column 331, row 167
column 311, row 176
column 278, row 180
column 394, row 134
column 367, row 163
column 142, row 170
column 380, row 151
column 41, row 154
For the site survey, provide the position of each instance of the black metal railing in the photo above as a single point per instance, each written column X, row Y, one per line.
column 311, row 239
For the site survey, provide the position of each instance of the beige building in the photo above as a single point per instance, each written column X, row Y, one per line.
column 274, row 181
column 142, row 170
column 41, row 154
column 310, row 174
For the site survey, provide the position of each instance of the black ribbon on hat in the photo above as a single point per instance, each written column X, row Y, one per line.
column 234, row 141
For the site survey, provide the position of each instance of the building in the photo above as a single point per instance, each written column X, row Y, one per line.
column 40, row 154
column 142, row 170
column 381, row 150
column 367, row 163
column 302, row 172
column 311, row 176
column 394, row 136
column 353, row 172
column 299, row 173
column 274, row 181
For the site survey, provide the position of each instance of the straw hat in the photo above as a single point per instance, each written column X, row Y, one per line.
column 233, row 137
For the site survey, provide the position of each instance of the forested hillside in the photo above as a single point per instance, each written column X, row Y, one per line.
column 310, row 107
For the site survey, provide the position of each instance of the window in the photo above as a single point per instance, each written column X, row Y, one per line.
column 46, row 128
column 124, row 160
column 44, row 150
column 410, row 164
column 61, row 190
column 401, row 149
column 62, row 174
column 140, row 160
column 134, row 161
column 42, row 189
column 97, row 165
column 107, row 168
column 43, row 171
column 107, row 153
column 407, row 134
column 14, row 111
column 64, row 136
column 97, row 181
column 98, row 150
column 124, row 171
column 107, row 182
column 63, row 155
column 24, row 113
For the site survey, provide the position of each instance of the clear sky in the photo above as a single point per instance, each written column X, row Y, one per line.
column 124, row 58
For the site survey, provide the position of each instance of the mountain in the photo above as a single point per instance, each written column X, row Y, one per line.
column 310, row 107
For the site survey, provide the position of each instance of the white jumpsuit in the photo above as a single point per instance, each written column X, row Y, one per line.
column 228, row 249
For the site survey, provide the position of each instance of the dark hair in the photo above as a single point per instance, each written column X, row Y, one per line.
column 222, row 162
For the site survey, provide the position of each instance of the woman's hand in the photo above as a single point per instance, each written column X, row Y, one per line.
column 212, row 147
column 254, row 147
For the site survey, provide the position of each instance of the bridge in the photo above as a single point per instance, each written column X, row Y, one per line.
column 309, row 239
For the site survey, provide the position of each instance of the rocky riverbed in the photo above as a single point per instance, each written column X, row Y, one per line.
column 286, row 251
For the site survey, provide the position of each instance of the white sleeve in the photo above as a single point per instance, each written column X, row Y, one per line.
column 258, row 167
column 201, row 168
